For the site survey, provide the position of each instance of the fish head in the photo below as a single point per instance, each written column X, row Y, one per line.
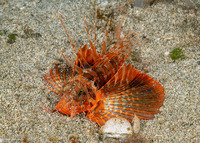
column 74, row 99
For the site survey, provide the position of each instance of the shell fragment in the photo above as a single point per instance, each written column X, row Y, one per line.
column 117, row 128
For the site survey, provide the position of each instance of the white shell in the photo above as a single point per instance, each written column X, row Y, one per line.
column 117, row 128
column 136, row 125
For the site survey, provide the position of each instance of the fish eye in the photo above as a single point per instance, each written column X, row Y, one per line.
column 80, row 92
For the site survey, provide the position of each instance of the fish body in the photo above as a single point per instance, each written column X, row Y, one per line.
column 103, row 86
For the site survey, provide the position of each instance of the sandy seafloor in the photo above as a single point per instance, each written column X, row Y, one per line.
column 39, row 39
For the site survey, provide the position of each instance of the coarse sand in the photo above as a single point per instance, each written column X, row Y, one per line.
column 31, row 37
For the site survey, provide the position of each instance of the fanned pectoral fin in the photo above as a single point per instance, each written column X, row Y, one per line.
column 56, row 77
column 130, row 92
column 99, row 115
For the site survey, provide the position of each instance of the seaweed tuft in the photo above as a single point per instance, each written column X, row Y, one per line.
column 176, row 54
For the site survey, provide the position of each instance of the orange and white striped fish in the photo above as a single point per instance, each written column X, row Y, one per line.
column 102, row 85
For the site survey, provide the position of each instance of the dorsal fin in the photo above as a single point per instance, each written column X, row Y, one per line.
column 94, row 53
column 73, row 45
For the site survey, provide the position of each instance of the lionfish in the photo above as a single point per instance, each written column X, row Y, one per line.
column 102, row 85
